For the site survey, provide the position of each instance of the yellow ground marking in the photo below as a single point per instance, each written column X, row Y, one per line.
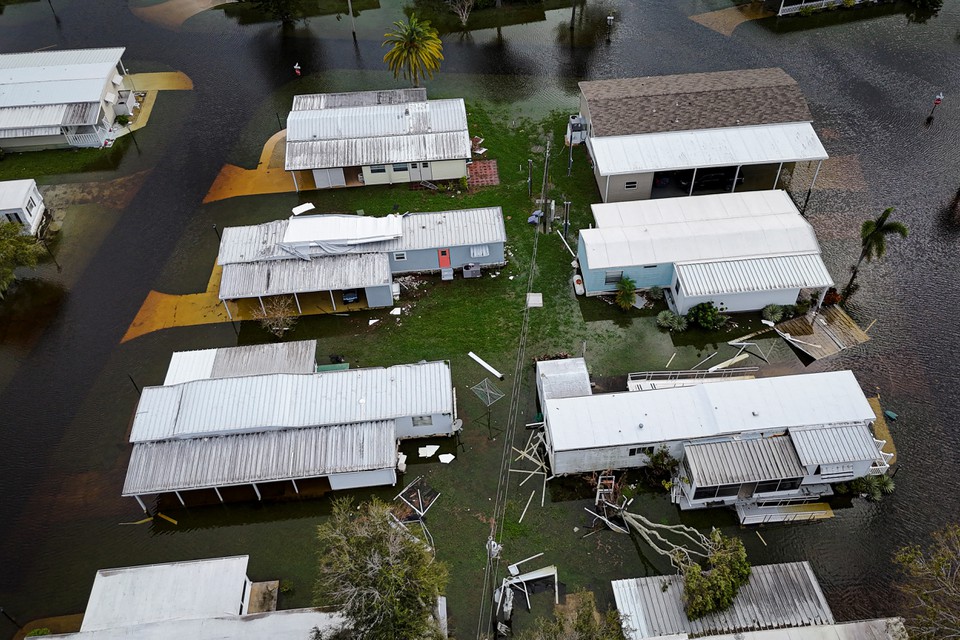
column 164, row 310
column 726, row 20
column 161, row 81
column 881, row 430
column 173, row 13
column 268, row 177
column 167, row 518
column 144, row 521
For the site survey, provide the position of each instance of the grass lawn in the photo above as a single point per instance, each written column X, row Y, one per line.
column 51, row 162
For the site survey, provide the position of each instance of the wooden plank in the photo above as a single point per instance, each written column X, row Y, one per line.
column 831, row 332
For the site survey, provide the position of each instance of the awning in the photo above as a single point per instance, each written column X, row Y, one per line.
column 753, row 274
column 739, row 461
column 282, row 277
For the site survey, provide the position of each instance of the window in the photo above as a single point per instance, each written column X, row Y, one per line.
column 422, row 421
column 790, row 484
column 676, row 289
column 647, row 451
column 649, row 266
column 377, row 168
column 612, row 277
column 480, row 251
column 425, row 165
column 30, row 205
column 728, row 490
column 13, row 217
column 705, row 493
column 630, row 185
column 767, row 487
column 400, row 256
column 400, row 167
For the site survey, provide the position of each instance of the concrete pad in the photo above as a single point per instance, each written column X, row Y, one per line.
column 161, row 81
column 534, row 300
column 263, row 596
column 725, row 21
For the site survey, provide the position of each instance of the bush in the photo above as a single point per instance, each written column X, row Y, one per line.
column 772, row 312
column 806, row 11
column 671, row 322
column 122, row 120
column 655, row 293
column 41, row 631
column 849, row 3
column 789, row 311
column 626, row 293
column 707, row 316
column 873, row 488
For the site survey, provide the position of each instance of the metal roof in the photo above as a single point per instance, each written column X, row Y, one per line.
column 706, row 410
column 848, row 443
column 56, row 77
column 728, row 147
column 299, row 356
column 19, row 122
column 693, row 101
column 286, row 401
column 159, row 592
column 14, row 193
column 430, row 230
column 566, row 378
column 314, row 101
column 716, row 206
column 879, row 629
column 356, row 152
column 281, row 277
column 682, row 241
column 341, row 229
column 739, row 461
column 753, row 274
column 776, row 596
column 198, row 463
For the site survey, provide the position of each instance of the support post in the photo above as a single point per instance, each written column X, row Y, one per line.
column 297, row 300
column 295, row 488
column 227, row 307
column 693, row 179
column 332, row 301
column 122, row 68
column 777, row 179
column 296, row 184
column 180, row 498
column 352, row 19
column 140, row 502
column 823, row 294
column 257, row 491
column 812, row 183
column 736, row 175
column 606, row 190
column 262, row 308
column 218, row 493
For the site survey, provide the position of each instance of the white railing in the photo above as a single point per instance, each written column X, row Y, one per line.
column 689, row 374
column 786, row 10
column 84, row 139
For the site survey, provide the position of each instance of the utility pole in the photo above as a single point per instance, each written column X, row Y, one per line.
column 353, row 21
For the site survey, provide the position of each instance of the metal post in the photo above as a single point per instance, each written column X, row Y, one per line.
column 352, row 19
column 332, row 301
column 570, row 159
column 217, row 231
column 279, row 121
column 823, row 294
column 606, row 189
column 296, row 185
column 259, row 497
column 692, row 181
column 140, row 502
column 297, row 300
column 812, row 182
column 134, row 383
column 218, row 494
column 777, row 179
column 9, row 617
column 735, row 176
column 529, row 178
column 227, row 307
column 262, row 308
column 295, row 488
column 180, row 498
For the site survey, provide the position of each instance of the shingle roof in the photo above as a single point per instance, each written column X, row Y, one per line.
column 693, row 101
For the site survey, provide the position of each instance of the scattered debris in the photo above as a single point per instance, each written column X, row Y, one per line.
column 486, row 366
column 534, row 300
column 395, row 311
column 416, row 499
column 428, row 451
column 373, row 321
column 446, row 458
column 167, row 518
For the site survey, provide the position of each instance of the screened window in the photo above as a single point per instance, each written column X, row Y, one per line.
column 400, row 167
column 422, row 421
column 30, row 205
column 378, row 168
column 400, row 256
column 425, row 165
column 676, row 289
column 728, row 490
column 630, row 185
column 767, row 487
column 479, row 251
column 646, row 451
column 612, row 277
column 705, row 493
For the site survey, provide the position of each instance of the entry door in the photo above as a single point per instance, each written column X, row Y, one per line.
column 444, row 256
column 415, row 172
column 426, row 173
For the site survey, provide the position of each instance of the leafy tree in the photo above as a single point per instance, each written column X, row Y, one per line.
column 873, row 241
column 585, row 624
column 626, row 293
column 707, row 316
column 931, row 586
column 415, row 49
column 383, row 578
column 705, row 592
column 16, row 250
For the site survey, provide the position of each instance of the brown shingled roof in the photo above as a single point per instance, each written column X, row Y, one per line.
column 694, row 101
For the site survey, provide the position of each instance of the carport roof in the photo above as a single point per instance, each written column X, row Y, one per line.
column 283, row 277
column 726, row 147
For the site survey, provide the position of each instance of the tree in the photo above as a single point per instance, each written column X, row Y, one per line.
column 705, row 592
column 382, row 577
column 462, row 9
column 276, row 315
column 873, row 241
column 626, row 293
column 415, row 49
column 16, row 250
column 931, row 586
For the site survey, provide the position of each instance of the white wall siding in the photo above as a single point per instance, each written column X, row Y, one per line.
column 360, row 479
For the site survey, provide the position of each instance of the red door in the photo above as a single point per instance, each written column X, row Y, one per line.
column 444, row 256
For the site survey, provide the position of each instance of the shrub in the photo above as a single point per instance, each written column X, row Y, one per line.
column 789, row 311
column 671, row 322
column 655, row 293
column 626, row 293
column 806, row 11
column 873, row 488
column 40, row 631
column 772, row 312
column 803, row 306
column 832, row 297
column 122, row 120
column 849, row 3
column 707, row 316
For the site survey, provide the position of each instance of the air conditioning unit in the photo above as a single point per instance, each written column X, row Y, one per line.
column 576, row 130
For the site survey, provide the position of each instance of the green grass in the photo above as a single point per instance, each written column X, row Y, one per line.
column 36, row 164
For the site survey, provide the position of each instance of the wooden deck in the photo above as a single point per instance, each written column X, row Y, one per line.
column 881, row 431
column 753, row 514
column 831, row 332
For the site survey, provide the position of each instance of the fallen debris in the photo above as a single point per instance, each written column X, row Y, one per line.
column 428, row 451
column 446, row 458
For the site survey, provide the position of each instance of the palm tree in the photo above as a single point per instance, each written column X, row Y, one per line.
column 873, row 239
column 415, row 49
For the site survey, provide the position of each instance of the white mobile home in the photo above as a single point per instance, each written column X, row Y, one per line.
column 21, row 202
column 58, row 99
column 732, row 127
column 377, row 137
column 214, row 428
column 741, row 251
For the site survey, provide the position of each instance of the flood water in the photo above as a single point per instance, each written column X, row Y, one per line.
column 868, row 75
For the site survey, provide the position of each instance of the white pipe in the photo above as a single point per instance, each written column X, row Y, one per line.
column 298, row 303
column 180, row 498
column 140, row 502
column 218, row 494
column 486, row 366
column 227, row 307
column 295, row 488
column 565, row 244
column 259, row 497
column 777, row 179
column 692, row 180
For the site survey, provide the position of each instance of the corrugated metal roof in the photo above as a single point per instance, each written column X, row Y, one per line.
column 880, row 629
column 699, row 240
column 740, row 461
column 430, row 230
column 775, row 597
column 706, row 410
column 14, row 193
column 159, row 592
column 754, row 274
column 298, row 356
column 716, row 206
column 429, row 147
column 434, row 116
column 284, row 401
column 727, row 147
column 693, row 101
column 197, row 463
column 341, row 229
column 567, row 378
column 311, row 102
column 281, row 277
column 834, row 445
column 56, row 77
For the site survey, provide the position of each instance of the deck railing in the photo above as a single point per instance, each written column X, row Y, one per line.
column 690, row 374
column 786, row 10
column 84, row 139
